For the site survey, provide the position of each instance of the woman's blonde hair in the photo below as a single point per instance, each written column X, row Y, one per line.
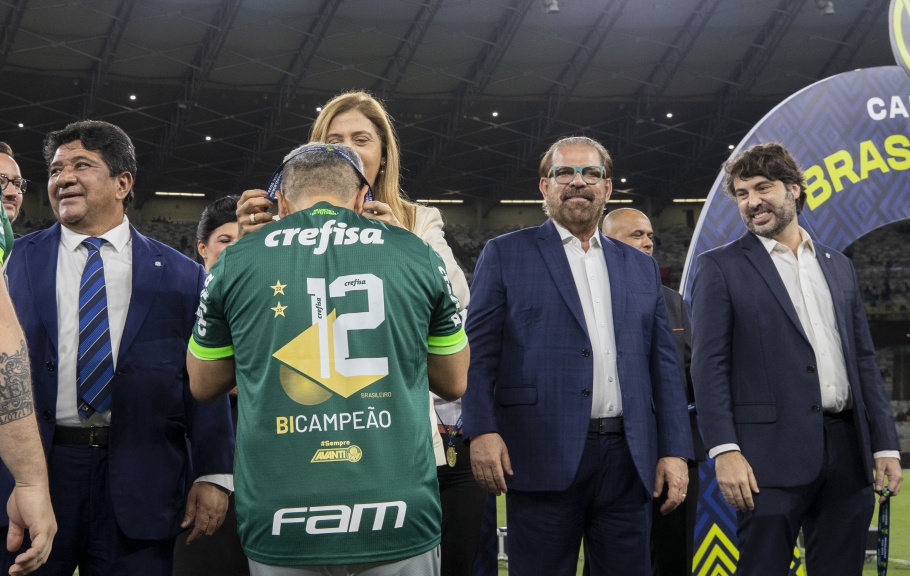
column 387, row 187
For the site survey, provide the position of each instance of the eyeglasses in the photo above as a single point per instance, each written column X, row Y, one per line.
column 590, row 174
column 20, row 183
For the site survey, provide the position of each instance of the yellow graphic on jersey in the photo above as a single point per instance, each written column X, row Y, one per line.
column 312, row 354
column 301, row 389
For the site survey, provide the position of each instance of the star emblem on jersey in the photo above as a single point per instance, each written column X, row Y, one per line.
column 278, row 288
column 279, row 310
column 312, row 364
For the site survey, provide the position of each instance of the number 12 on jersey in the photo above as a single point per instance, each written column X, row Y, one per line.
column 334, row 346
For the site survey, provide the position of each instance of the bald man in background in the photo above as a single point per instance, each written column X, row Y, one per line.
column 671, row 535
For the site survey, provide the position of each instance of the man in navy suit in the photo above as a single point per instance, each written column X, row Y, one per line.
column 119, row 470
column 790, row 398
column 672, row 535
column 29, row 505
column 574, row 405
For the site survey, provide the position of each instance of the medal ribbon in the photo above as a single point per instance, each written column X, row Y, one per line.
column 884, row 527
column 452, row 431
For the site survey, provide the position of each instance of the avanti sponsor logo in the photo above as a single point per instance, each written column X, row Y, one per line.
column 347, row 454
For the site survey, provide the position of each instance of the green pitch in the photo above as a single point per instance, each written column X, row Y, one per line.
column 900, row 534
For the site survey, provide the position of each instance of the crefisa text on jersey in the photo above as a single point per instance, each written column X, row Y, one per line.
column 338, row 233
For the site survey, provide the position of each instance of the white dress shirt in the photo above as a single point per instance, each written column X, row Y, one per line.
column 809, row 292
column 592, row 281
column 117, row 255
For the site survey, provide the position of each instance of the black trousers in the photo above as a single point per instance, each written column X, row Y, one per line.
column 217, row 555
column 88, row 536
column 834, row 511
column 463, row 502
column 673, row 535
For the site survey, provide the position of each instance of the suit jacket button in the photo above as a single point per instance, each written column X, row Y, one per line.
column 810, row 369
column 47, row 415
column 816, row 408
column 585, row 392
column 50, row 366
column 585, row 352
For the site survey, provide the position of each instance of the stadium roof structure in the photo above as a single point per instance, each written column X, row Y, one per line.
column 478, row 88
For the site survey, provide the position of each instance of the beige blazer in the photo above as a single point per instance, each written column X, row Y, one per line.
column 428, row 226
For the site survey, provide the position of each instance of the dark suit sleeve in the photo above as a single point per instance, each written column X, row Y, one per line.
column 687, row 352
column 210, row 431
column 712, row 316
column 882, row 430
column 484, row 326
column 667, row 390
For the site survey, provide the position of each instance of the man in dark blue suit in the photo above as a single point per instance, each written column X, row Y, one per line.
column 120, row 463
column 574, row 391
column 29, row 506
column 790, row 398
column 672, row 535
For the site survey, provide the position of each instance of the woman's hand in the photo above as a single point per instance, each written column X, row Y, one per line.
column 375, row 210
column 253, row 212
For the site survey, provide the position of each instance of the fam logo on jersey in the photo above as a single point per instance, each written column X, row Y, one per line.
column 899, row 27
column 319, row 361
column 341, row 518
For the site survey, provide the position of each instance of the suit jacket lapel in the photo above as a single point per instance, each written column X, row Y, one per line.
column 761, row 260
column 554, row 255
column 41, row 269
column 148, row 267
column 834, row 286
column 616, row 263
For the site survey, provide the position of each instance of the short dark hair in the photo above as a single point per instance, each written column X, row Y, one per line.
column 318, row 166
column 770, row 160
column 110, row 141
column 220, row 212
column 546, row 161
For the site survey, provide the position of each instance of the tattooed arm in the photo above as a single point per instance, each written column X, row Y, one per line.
column 29, row 505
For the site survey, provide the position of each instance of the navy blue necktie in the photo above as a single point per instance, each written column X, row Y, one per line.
column 95, row 366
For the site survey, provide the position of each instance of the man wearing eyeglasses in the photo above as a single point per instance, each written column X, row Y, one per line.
column 12, row 183
column 11, row 187
column 574, row 406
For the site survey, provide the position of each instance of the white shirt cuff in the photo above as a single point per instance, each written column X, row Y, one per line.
column 721, row 448
column 226, row 481
column 887, row 454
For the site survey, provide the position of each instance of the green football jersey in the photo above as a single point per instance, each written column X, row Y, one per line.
column 6, row 237
column 329, row 317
